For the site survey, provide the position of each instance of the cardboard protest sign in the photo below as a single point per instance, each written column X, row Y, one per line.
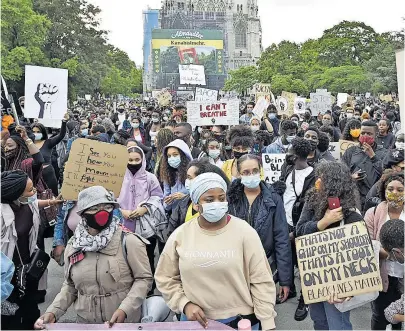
column 94, row 163
column 192, row 74
column 320, row 102
column 46, row 92
column 260, row 107
column 163, row 97
column 334, row 149
column 213, row 113
column 339, row 260
column 345, row 144
column 290, row 99
column 262, row 90
column 272, row 164
column 204, row 94
column 299, row 105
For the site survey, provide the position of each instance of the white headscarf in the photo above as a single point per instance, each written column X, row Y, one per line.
column 205, row 182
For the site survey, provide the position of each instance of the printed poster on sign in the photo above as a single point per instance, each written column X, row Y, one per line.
column 339, row 260
column 94, row 163
column 282, row 105
column 290, row 98
column 192, row 74
column 320, row 102
column 204, row 94
column 272, row 164
column 299, row 105
column 213, row 113
column 46, row 93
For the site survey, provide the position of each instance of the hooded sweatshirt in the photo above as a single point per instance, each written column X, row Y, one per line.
column 178, row 186
column 138, row 188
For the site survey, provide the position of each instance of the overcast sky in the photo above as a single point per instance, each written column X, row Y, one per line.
column 294, row 20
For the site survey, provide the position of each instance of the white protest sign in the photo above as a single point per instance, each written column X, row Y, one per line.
column 204, row 94
column 213, row 113
column 299, row 105
column 341, row 99
column 262, row 90
column 282, row 105
column 368, row 94
column 46, row 92
column 272, row 164
column 87, row 97
column 260, row 107
column 334, row 149
column 163, row 97
column 320, row 103
column 192, row 74
column 321, row 90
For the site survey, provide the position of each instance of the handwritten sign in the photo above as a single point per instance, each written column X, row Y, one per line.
column 345, row 144
column 272, row 164
column 163, row 97
column 192, row 74
column 260, row 106
column 262, row 91
column 334, row 149
column 93, row 163
column 290, row 99
column 204, row 94
column 299, row 105
column 339, row 260
column 320, row 102
column 213, row 113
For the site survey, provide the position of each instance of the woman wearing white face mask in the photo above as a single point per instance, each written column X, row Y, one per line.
column 216, row 253
column 213, row 149
column 255, row 123
column 252, row 200
column 173, row 165
column 137, row 132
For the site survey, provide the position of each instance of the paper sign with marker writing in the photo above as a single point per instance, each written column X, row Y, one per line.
column 163, row 97
column 204, row 94
column 260, row 107
column 213, row 113
column 320, row 102
column 334, row 149
column 339, row 260
column 272, row 164
column 262, row 91
column 345, row 144
column 192, row 74
column 94, row 163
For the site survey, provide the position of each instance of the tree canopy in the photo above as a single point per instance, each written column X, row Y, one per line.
column 349, row 57
column 63, row 34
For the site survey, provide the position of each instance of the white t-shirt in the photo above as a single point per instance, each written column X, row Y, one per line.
column 289, row 195
column 395, row 269
column 121, row 118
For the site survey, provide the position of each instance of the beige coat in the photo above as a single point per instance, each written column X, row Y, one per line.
column 102, row 282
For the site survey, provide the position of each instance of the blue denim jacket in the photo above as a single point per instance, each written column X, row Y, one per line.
column 60, row 236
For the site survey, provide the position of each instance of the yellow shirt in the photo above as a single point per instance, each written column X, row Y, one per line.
column 189, row 215
column 227, row 169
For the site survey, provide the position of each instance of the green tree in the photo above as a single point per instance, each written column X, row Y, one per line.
column 345, row 78
column 242, row 79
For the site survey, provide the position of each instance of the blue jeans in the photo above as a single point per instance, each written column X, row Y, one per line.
column 328, row 317
column 183, row 318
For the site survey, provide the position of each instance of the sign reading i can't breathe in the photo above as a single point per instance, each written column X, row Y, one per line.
column 94, row 163
column 272, row 164
column 339, row 260
column 213, row 113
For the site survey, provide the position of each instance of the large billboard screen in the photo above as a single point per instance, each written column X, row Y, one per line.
column 171, row 47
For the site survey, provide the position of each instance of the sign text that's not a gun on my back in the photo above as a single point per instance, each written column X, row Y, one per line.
column 94, row 163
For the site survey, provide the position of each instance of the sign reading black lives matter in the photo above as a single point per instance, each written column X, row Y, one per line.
column 339, row 260
column 94, row 163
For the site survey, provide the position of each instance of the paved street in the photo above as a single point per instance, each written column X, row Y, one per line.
column 285, row 320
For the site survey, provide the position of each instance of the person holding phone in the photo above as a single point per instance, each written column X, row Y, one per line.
column 332, row 202
column 365, row 161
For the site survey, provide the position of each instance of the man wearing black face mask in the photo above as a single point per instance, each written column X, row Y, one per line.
column 309, row 119
column 312, row 135
column 184, row 131
column 299, row 177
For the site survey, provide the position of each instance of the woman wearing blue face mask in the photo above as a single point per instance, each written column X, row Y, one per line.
column 216, row 253
column 259, row 205
column 173, row 167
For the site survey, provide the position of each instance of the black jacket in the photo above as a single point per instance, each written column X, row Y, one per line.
column 267, row 216
column 356, row 159
column 114, row 119
column 178, row 215
column 197, row 153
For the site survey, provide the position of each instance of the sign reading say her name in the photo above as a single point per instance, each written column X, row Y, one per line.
column 272, row 164
column 94, row 163
column 339, row 260
column 213, row 113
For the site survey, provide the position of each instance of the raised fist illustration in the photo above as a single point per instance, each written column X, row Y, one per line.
column 282, row 106
column 46, row 95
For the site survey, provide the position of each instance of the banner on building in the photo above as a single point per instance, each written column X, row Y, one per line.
column 46, row 92
column 204, row 94
column 213, row 113
column 192, row 74
column 321, row 102
column 272, row 164
column 94, row 163
column 339, row 260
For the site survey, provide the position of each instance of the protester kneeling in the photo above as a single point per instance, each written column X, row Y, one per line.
column 214, row 266
column 107, row 271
